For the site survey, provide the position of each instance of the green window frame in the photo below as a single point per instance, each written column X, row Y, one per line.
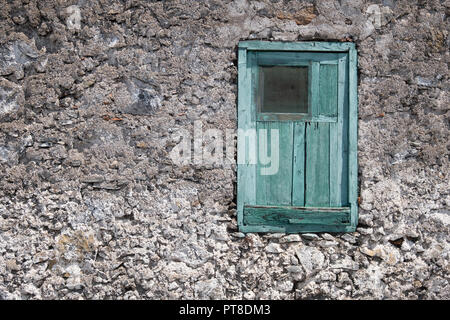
column 332, row 76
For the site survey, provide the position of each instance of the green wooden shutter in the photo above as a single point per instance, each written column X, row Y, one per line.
column 314, row 189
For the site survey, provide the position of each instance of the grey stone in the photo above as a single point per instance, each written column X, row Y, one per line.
column 424, row 82
column 12, row 265
column 294, row 269
column 291, row 238
column 208, row 289
column 6, row 156
column 310, row 258
column 93, row 179
column 238, row 235
column 11, row 98
column 349, row 238
column 274, row 248
column 328, row 236
column 310, row 236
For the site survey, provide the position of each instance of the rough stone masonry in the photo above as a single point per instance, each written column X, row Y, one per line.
column 93, row 207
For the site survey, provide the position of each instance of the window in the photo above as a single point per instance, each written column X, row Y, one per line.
column 297, row 115
column 283, row 89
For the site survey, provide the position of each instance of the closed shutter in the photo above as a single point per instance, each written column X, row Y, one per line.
column 296, row 99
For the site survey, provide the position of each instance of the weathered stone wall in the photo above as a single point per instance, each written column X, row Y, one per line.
column 92, row 205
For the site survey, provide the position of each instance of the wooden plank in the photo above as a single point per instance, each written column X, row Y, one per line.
column 302, row 208
column 296, row 46
column 275, row 188
column 264, row 116
column 317, row 185
column 338, row 190
column 313, row 89
column 297, row 228
column 246, row 179
column 280, row 216
column 298, row 166
column 295, row 58
column 345, row 126
column 299, row 63
column 353, row 136
column 328, row 90
column 261, row 229
column 254, row 70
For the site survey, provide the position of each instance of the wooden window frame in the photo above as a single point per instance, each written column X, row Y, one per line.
column 293, row 59
column 281, row 116
column 298, row 219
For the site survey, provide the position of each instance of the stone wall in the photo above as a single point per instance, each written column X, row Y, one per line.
column 92, row 206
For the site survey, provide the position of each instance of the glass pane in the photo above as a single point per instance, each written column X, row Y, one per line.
column 283, row 89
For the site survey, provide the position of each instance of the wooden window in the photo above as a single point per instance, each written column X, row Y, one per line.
column 304, row 95
column 283, row 89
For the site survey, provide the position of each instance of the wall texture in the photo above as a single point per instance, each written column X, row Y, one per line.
column 92, row 205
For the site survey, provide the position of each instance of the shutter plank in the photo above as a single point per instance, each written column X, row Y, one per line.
column 298, row 170
column 333, row 82
column 280, row 58
column 282, row 216
column 328, row 90
column 317, row 189
column 316, row 46
column 275, row 189
column 317, row 164
column 353, row 136
column 246, row 179
column 313, row 89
